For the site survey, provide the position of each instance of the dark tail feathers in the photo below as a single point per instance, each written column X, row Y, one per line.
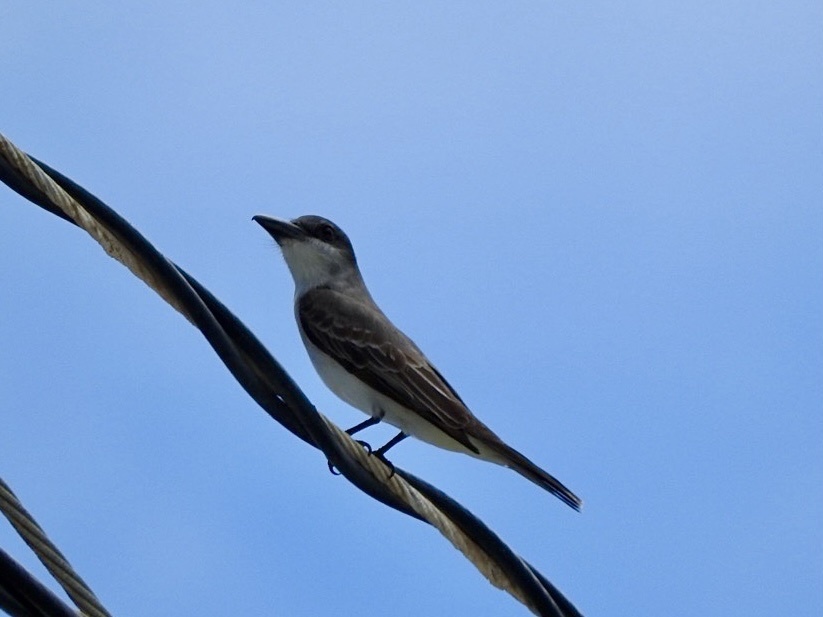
column 527, row 469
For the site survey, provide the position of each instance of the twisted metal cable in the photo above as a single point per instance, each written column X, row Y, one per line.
column 51, row 557
column 266, row 381
column 428, row 511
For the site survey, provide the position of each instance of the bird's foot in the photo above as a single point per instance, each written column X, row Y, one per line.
column 380, row 454
column 366, row 447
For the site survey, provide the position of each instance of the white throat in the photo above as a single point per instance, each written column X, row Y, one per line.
column 312, row 264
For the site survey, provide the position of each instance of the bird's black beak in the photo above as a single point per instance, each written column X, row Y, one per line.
column 279, row 229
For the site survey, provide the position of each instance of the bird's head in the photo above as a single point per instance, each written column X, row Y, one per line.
column 316, row 250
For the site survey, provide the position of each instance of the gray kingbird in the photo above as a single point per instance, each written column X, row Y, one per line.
column 366, row 361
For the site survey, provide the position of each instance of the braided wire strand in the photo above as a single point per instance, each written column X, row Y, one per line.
column 51, row 557
column 427, row 510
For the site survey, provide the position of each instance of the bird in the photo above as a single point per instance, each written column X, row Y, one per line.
column 364, row 359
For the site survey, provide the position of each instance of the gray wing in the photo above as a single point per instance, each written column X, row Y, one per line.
column 362, row 339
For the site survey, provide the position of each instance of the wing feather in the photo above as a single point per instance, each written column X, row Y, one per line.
column 362, row 339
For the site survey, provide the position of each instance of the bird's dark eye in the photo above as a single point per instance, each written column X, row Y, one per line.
column 326, row 233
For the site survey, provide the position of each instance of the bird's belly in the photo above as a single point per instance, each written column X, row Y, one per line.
column 340, row 381
column 368, row 400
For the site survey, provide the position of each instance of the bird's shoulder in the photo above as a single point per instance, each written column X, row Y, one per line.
column 339, row 317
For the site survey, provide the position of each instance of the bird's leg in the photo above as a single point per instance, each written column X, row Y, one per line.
column 381, row 452
column 364, row 424
column 356, row 429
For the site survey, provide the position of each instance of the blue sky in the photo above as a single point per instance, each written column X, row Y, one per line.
column 602, row 222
